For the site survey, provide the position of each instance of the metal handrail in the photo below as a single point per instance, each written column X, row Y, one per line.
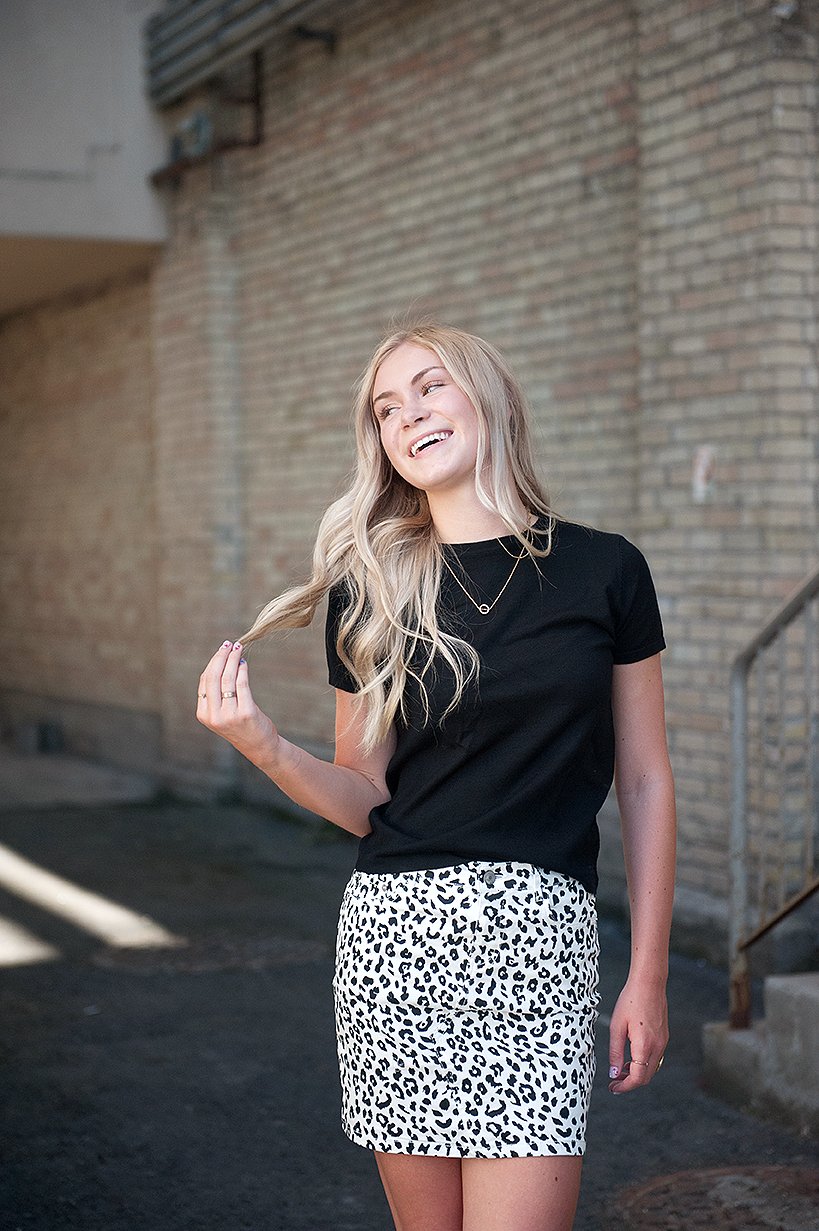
column 741, row 937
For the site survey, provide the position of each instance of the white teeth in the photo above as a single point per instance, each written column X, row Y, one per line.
column 426, row 440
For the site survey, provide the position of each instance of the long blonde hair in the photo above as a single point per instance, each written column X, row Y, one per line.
column 379, row 544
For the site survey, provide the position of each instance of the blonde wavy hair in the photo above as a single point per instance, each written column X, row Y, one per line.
column 379, row 544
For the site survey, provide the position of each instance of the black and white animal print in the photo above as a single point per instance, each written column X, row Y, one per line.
column 465, row 1001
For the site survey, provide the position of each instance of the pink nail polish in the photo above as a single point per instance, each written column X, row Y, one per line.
column 226, row 645
column 237, row 645
column 613, row 1071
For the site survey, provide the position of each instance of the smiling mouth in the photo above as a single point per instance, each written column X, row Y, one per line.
column 427, row 442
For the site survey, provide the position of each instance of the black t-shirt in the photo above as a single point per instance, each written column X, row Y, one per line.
column 521, row 769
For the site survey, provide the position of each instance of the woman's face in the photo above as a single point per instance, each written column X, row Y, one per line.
column 428, row 426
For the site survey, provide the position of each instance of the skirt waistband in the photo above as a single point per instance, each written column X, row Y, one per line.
column 477, row 875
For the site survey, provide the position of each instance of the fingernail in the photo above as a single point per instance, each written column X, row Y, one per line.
column 226, row 645
column 613, row 1071
column 237, row 645
column 242, row 662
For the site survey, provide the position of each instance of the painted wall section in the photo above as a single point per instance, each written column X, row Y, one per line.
column 79, row 136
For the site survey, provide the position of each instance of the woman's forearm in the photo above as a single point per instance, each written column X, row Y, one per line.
column 649, row 823
column 342, row 795
column 339, row 794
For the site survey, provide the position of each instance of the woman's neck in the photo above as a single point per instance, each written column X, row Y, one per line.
column 467, row 520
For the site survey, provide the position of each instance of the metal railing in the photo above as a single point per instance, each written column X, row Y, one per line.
column 775, row 793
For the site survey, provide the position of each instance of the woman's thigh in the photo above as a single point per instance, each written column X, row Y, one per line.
column 520, row 1194
column 424, row 1193
column 480, row 1194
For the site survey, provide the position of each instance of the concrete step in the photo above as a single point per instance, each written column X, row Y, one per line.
column 772, row 1068
column 792, row 1016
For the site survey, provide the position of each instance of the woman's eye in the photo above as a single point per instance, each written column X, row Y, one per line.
column 384, row 412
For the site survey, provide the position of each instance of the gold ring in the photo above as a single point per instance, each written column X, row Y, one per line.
column 642, row 1063
column 225, row 695
column 660, row 1063
column 204, row 696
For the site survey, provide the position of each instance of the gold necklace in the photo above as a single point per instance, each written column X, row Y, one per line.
column 485, row 608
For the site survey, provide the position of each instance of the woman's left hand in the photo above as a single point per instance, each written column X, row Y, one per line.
column 640, row 1019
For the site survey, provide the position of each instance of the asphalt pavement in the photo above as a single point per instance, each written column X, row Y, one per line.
column 195, row 1086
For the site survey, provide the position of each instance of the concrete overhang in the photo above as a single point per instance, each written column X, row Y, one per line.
column 37, row 268
column 78, row 143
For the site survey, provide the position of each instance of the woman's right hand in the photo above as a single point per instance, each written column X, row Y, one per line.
column 225, row 705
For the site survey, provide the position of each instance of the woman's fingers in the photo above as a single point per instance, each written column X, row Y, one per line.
column 227, row 683
column 645, row 1059
column 217, row 683
column 634, row 1073
column 225, row 705
column 243, row 693
column 206, row 690
column 618, row 1037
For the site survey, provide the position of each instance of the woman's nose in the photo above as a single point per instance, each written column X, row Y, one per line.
column 414, row 411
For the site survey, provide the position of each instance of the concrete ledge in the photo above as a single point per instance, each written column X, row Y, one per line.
column 771, row 1069
column 792, row 1016
column 49, row 779
column 126, row 739
column 733, row 1060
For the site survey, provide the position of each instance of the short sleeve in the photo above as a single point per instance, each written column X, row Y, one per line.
column 638, row 624
column 338, row 674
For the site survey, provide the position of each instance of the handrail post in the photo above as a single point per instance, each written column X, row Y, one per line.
column 740, row 987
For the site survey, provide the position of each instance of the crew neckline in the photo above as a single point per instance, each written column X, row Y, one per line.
column 500, row 542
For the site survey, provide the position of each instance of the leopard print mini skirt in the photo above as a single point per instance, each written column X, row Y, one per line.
column 465, row 1003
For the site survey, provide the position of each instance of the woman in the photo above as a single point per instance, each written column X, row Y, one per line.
column 488, row 658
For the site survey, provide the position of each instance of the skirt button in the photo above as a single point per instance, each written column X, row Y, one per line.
column 490, row 878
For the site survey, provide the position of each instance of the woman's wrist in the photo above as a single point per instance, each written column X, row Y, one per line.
column 653, row 974
column 269, row 755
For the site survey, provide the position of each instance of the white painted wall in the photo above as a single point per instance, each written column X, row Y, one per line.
column 78, row 135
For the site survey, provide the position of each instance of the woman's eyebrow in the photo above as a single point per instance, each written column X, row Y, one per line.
column 436, row 367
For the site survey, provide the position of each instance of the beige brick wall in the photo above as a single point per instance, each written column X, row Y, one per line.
column 200, row 496
column 727, row 290
column 78, row 582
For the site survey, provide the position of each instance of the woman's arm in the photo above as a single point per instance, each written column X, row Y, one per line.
column 644, row 785
column 343, row 792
